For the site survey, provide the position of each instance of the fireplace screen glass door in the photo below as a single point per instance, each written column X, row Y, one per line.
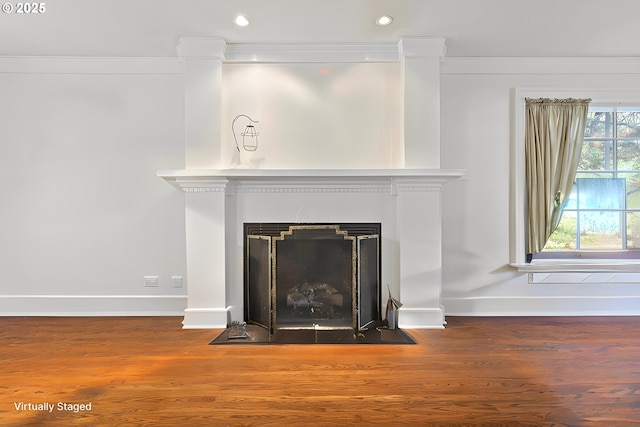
column 313, row 276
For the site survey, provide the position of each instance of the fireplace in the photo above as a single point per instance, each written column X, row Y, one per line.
column 312, row 276
column 321, row 181
column 406, row 202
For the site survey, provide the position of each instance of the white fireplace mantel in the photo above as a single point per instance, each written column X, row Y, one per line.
column 406, row 202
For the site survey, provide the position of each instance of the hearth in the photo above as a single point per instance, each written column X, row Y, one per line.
column 312, row 276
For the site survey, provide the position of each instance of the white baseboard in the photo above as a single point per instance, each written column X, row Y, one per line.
column 421, row 318
column 543, row 306
column 205, row 318
column 92, row 305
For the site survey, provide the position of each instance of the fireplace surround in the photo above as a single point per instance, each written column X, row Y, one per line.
column 406, row 202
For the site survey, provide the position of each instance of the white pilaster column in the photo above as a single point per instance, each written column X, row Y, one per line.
column 419, row 233
column 420, row 59
column 205, row 202
column 206, row 259
column 202, row 58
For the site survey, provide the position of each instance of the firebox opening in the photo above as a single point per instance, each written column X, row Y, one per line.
column 312, row 276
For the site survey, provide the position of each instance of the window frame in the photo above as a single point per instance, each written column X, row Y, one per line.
column 611, row 162
column 570, row 260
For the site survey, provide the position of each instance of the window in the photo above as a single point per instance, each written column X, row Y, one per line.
column 602, row 214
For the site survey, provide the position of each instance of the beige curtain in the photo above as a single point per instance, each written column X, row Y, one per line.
column 553, row 141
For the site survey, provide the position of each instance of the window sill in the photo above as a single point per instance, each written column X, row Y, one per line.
column 587, row 266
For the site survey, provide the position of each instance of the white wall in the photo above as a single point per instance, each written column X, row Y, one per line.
column 316, row 115
column 83, row 216
column 477, row 135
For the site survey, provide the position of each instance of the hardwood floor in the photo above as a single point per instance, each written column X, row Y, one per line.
column 147, row 371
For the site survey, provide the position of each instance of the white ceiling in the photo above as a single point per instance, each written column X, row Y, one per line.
column 471, row 27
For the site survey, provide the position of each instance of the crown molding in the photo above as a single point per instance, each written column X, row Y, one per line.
column 422, row 47
column 311, row 52
column 202, row 47
column 88, row 65
column 541, row 65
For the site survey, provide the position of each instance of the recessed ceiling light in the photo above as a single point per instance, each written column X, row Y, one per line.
column 241, row 21
column 384, row 20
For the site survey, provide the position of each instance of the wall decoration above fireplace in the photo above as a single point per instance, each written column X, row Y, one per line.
column 249, row 134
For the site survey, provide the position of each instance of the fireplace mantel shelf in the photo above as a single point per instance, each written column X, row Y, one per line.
column 190, row 179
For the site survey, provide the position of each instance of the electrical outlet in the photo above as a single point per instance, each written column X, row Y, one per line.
column 177, row 281
column 151, row 281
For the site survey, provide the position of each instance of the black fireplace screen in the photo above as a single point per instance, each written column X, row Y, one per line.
column 313, row 276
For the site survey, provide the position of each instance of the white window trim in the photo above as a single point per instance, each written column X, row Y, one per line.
column 619, row 96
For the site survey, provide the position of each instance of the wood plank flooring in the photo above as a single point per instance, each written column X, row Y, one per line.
column 147, row 371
